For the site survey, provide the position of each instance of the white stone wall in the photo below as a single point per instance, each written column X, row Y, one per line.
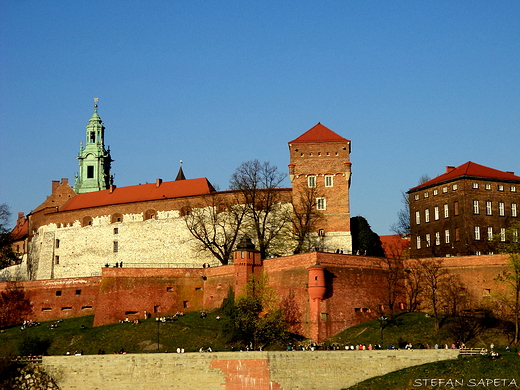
column 83, row 251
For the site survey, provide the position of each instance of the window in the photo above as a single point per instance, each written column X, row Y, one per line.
column 489, row 210
column 488, row 187
column 457, row 234
column 447, row 236
column 78, row 292
column 56, row 260
column 437, row 238
column 477, row 232
column 417, row 217
column 455, row 208
column 436, row 212
column 455, row 187
column 428, row 240
column 427, row 215
column 513, row 188
column 321, row 204
column 515, row 235
column 502, row 234
column 116, row 230
column 416, row 197
column 58, row 293
column 476, row 209
column 57, row 243
column 116, row 217
column 92, row 136
column 490, row 233
column 311, row 181
column 418, row 242
column 90, row 171
column 501, row 209
column 446, row 211
column 444, row 190
column 426, row 194
column 513, row 210
column 87, row 221
column 116, row 246
column 329, row 181
column 500, row 187
column 475, row 185
column 435, row 192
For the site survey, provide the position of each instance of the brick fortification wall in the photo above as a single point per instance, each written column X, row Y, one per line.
column 321, row 370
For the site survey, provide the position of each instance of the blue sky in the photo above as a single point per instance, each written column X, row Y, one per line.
column 415, row 85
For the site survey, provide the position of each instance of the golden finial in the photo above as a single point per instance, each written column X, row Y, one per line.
column 95, row 102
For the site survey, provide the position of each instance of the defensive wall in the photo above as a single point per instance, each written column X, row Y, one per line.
column 321, row 370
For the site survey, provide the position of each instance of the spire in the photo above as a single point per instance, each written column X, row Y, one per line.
column 93, row 159
column 180, row 174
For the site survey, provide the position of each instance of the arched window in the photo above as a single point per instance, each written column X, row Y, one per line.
column 87, row 221
column 116, row 217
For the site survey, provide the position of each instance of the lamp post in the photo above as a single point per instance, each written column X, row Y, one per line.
column 158, row 322
column 382, row 323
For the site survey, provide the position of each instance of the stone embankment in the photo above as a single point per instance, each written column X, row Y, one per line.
column 321, row 370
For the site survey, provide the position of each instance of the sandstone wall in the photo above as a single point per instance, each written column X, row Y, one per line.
column 321, row 370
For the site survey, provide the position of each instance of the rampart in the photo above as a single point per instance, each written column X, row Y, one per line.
column 323, row 370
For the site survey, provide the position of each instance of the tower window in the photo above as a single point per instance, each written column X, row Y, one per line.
column 92, row 136
column 116, row 246
column 321, row 204
column 90, row 171
column 329, row 181
column 311, row 181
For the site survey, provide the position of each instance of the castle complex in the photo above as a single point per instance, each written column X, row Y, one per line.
column 119, row 253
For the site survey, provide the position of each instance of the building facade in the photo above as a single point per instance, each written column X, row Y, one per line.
column 464, row 211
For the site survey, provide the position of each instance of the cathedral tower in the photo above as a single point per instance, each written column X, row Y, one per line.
column 94, row 160
column 320, row 162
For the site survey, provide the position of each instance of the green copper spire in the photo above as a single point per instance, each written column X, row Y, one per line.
column 94, row 160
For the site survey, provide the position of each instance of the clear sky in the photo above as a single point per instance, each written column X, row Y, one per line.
column 415, row 85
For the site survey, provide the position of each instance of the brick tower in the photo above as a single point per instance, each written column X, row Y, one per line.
column 94, row 160
column 320, row 161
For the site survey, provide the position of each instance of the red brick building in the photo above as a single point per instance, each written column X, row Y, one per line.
column 463, row 211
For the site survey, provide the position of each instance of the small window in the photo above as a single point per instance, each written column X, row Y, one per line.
column 427, row 215
column 131, row 312
column 501, row 209
column 116, row 218
column 428, row 240
column 514, row 213
column 90, row 171
column 502, row 234
column 437, row 238
column 321, row 233
column 416, row 197
column 58, row 293
column 455, row 208
column 116, row 230
column 490, row 233
column 88, row 307
column 500, row 187
column 66, row 308
column 78, row 292
column 455, row 187
column 513, row 188
column 435, row 192
column 329, row 181
column 87, row 221
column 57, row 243
column 56, row 259
column 446, row 211
column 476, row 209
column 169, row 289
column 489, row 208
column 418, row 242
column 116, row 246
column 426, row 194
column 446, row 236
column 321, row 204
column 311, row 181
column 417, row 217
column 488, row 187
column 198, row 288
column 186, row 304
column 436, row 213
column 477, row 233
column 475, row 185
column 457, row 234
column 46, row 308
column 444, row 190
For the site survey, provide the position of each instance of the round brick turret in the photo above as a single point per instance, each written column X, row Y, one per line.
column 317, row 285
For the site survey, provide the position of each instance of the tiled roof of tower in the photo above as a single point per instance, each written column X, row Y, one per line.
column 319, row 133
column 140, row 193
column 20, row 230
column 470, row 169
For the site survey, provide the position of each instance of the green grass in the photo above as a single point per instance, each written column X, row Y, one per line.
column 465, row 370
column 415, row 328
column 189, row 332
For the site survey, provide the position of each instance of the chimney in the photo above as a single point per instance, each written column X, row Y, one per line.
column 65, row 181
column 112, row 188
column 512, row 173
column 55, row 185
column 158, row 183
column 449, row 168
column 21, row 216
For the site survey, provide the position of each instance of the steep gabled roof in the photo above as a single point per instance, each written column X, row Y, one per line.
column 140, row 193
column 467, row 170
column 319, row 133
column 21, row 230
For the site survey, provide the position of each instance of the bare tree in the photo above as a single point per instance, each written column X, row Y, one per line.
column 215, row 223
column 394, row 281
column 304, row 218
column 14, row 305
column 402, row 226
column 258, row 184
column 413, row 286
column 510, row 298
column 7, row 255
column 454, row 296
column 433, row 274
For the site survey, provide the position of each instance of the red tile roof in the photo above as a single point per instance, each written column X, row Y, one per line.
column 21, row 229
column 395, row 246
column 470, row 169
column 319, row 133
column 139, row 193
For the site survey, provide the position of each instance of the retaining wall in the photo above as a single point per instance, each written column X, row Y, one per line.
column 307, row 370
